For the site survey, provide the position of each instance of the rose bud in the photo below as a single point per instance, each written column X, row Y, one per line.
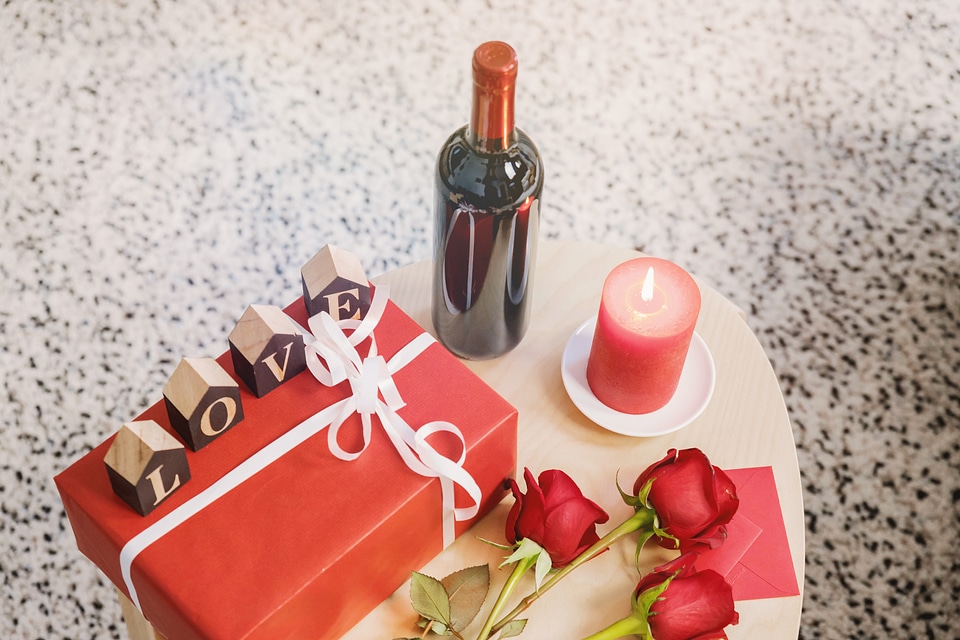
column 555, row 515
column 693, row 606
column 693, row 499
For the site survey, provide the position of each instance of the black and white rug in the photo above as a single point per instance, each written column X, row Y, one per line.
column 162, row 165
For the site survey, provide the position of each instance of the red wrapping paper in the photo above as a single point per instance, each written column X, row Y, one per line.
column 309, row 545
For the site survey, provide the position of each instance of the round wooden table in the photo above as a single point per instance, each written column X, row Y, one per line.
column 744, row 425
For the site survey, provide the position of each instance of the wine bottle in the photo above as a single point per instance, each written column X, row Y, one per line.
column 488, row 183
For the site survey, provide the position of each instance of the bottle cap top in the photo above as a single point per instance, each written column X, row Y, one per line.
column 494, row 65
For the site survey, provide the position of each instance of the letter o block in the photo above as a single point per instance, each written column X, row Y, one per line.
column 334, row 281
column 202, row 401
column 267, row 349
column 145, row 465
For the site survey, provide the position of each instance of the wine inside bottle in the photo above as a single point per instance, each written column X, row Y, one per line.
column 487, row 218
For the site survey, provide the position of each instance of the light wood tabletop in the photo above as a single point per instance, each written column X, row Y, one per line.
column 745, row 424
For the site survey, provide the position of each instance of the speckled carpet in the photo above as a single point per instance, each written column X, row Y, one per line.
column 162, row 165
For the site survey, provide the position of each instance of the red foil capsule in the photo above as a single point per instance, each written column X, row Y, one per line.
column 494, row 86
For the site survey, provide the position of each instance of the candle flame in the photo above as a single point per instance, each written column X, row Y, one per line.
column 646, row 294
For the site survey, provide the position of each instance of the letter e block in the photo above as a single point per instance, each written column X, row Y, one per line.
column 145, row 465
column 334, row 281
column 267, row 349
column 202, row 401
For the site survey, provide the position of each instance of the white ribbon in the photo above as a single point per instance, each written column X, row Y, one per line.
column 372, row 377
column 332, row 357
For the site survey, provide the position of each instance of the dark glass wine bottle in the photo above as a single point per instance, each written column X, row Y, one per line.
column 488, row 184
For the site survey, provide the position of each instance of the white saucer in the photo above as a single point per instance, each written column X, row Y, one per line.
column 693, row 391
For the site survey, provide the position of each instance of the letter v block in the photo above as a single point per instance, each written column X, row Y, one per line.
column 202, row 401
column 334, row 281
column 145, row 465
column 267, row 348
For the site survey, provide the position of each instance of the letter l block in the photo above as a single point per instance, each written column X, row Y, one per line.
column 145, row 465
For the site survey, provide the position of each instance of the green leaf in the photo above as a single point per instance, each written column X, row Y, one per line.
column 643, row 601
column 645, row 492
column 639, row 502
column 628, row 498
column 505, row 547
column 527, row 549
column 641, row 541
column 513, row 628
column 663, row 535
column 429, row 598
column 466, row 589
column 544, row 564
column 435, row 627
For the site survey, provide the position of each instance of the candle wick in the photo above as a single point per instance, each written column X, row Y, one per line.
column 646, row 293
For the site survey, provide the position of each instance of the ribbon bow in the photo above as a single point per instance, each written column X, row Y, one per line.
column 332, row 357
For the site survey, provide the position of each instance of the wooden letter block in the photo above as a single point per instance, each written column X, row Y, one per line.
column 334, row 281
column 202, row 401
column 146, row 465
column 267, row 349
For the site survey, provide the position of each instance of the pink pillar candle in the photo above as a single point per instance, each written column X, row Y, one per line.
column 648, row 310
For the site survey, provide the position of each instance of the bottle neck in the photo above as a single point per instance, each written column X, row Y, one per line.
column 491, row 123
column 492, row 126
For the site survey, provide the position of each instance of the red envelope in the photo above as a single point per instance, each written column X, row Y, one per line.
column 755, row 558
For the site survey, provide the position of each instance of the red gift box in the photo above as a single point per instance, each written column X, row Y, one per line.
column 310, row 543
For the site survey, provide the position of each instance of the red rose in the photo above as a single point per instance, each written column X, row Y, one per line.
column 555, row 515
column 694, row 606
column 693, row 499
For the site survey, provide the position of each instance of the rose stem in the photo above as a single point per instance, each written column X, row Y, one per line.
column 625, row 627
column 519, row 569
